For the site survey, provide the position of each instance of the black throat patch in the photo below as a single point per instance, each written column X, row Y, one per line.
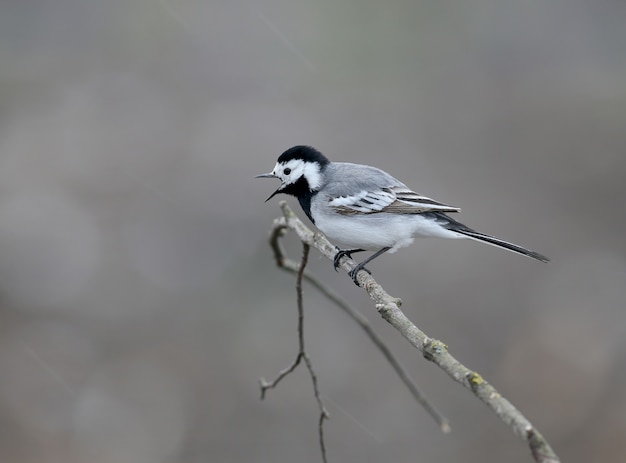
column 301, row 190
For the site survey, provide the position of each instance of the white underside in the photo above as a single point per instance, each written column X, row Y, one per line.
column 375, row 231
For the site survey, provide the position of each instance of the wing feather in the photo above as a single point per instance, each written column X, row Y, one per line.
column 396, row 200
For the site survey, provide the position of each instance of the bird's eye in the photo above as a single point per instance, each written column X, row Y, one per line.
column 287, row 171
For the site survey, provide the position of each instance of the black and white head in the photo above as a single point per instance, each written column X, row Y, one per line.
column 300, row 171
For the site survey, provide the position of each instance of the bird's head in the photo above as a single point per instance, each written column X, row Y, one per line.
column 300, row 171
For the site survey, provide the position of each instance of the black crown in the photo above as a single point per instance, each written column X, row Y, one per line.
column 306, row 153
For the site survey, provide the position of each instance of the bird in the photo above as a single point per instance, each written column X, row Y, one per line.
column 363, row 208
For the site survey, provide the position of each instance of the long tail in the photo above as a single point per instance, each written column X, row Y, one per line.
column 502, row 244
column 458, row 227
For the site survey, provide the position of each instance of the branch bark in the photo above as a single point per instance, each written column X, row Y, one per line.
column 433, row 350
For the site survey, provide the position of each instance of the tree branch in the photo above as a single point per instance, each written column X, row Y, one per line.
column 292, row 266
column 436, row 351
column 302, row 355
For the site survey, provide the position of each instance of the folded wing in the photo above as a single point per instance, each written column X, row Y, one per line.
column 395, row 200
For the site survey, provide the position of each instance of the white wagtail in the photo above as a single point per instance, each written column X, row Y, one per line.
column 366, row 209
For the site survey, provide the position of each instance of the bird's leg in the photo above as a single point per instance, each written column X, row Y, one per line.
column 344, row 252
column 361, row 266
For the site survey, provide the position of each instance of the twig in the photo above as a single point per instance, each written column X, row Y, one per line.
column 292, row 266
column 435, row 351
column 302, row 355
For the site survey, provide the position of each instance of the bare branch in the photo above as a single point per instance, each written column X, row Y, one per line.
column 292, row 266
column 302, row 355
column 436, row 351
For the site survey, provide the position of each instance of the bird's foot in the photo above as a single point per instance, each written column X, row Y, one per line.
column 341, row 253
column 353, row 273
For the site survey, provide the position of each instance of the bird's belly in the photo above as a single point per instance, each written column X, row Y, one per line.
column 375, row 231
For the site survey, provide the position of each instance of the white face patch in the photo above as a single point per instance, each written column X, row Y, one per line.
column 291, row 171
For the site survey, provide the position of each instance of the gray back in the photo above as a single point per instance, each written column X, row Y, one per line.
column 345, row 179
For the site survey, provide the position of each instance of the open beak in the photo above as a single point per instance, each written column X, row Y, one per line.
column 269, row 175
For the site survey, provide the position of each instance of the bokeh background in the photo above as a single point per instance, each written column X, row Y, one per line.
column 139, row 304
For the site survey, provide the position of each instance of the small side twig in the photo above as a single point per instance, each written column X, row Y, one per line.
column 302, row 355
column 433, row 350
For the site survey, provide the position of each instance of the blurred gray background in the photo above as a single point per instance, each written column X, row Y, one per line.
column 139, row 303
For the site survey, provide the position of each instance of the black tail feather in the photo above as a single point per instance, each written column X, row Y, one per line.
column 503, row 244
column 458, row 227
